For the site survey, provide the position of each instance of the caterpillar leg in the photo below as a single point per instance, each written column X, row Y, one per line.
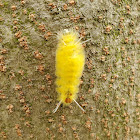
column 79, row 105
column 57, row 107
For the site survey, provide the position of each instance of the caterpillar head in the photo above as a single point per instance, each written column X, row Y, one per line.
column 68, row 100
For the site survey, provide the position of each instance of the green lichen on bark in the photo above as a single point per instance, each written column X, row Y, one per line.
column 109, row 90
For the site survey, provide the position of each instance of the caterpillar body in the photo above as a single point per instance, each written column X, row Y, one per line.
column 70, row 60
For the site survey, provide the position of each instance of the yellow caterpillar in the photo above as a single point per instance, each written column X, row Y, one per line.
column 70, row 60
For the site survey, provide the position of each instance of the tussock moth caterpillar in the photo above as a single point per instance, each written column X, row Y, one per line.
column 70, row 60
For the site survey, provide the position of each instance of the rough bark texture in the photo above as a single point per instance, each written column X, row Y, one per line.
column 109, row 90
